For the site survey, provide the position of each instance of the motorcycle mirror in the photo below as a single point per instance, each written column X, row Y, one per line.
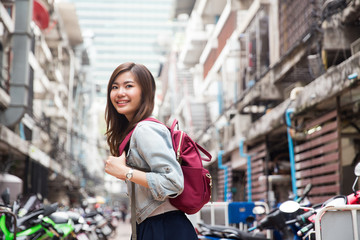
column 258, row 210
column 357, row 174
column 289, row 206
column 357, row 170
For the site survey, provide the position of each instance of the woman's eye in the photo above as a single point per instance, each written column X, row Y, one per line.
column 114, row 87
column 129, row 86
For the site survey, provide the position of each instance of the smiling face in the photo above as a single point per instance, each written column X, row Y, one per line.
column 125, row 94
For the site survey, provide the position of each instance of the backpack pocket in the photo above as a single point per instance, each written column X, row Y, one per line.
column 196, row 190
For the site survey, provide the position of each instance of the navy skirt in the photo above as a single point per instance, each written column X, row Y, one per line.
column 172, row 225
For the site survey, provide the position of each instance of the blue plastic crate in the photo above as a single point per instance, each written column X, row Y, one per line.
column 240, row 211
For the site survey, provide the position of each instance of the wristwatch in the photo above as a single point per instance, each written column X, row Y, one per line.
column 129, row 175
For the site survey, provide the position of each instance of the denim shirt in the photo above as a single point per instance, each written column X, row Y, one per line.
column 151, row 151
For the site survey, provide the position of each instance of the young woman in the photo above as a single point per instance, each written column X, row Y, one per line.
column 149, row 160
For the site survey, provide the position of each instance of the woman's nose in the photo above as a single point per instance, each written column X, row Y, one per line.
column 121, row 91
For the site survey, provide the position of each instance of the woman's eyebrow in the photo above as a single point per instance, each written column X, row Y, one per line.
column 128, row 81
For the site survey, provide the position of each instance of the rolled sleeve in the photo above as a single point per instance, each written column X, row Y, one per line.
column 165, row 178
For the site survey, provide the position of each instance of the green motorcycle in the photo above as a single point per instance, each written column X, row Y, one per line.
column 63, row 225
column 27, row 227
column 32, row 220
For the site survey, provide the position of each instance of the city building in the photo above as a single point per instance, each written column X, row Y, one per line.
column 277, row 82
column 43, row 100
column 123, row 31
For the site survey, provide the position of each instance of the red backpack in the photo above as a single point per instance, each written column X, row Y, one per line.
column 197, row 180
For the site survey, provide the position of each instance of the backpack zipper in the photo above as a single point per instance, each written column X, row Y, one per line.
column 178, row 150
column 209, row 176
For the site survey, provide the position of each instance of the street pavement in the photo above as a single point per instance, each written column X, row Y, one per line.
column 123, row 231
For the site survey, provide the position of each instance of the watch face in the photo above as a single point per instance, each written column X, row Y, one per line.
column 129, row 175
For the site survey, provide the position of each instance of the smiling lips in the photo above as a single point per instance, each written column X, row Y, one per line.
column 123, row 102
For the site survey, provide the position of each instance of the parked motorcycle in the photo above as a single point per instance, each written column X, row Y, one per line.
column 62, row 223
column 276, row 220
column 282, row 224
column 100, row 224
column 26, row 220
column 29, row 218
column 216, row 232
column 308, row 218
column 82, row 230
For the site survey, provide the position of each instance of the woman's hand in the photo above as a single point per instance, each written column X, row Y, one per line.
column 116, row 166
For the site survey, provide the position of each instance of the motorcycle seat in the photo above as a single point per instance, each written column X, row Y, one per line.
column 231, row 232
column 74, row 216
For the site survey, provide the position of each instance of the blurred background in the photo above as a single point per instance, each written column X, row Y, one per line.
column 269, row 87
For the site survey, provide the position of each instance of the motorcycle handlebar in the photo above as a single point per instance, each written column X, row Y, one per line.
column 305, row 229
column 302, row 218
column 277, row 219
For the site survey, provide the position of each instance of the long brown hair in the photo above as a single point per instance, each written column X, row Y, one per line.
column 117, row 125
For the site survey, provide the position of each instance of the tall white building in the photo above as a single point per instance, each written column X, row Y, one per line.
column 124, row 30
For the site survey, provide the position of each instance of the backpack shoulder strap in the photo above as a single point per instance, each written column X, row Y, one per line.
column 151, row 119
column 133, row 213
column 125, row 141
column 172, row 129
column 128, row 136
